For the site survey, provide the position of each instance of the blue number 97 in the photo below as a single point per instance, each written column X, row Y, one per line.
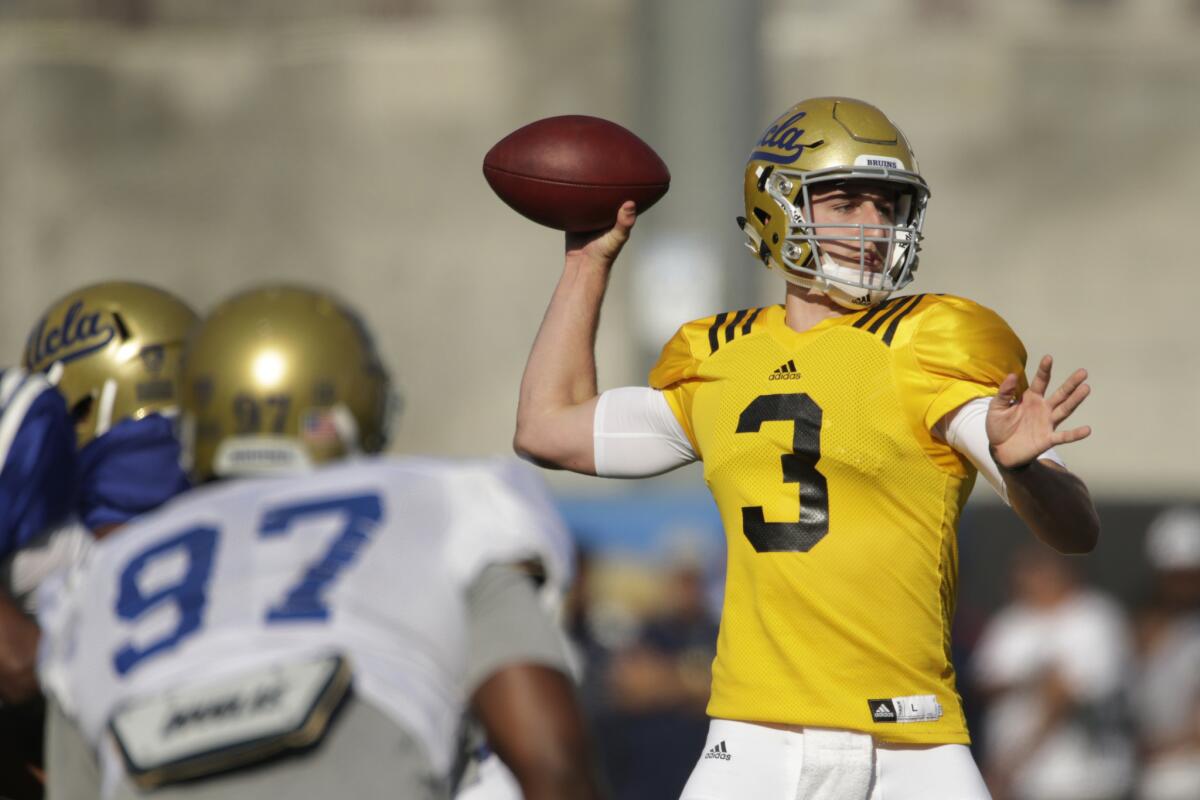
column 188, row 593
column 304, row 600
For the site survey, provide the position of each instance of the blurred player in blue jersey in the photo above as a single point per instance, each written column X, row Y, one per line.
column 83, row 448
column 37, row 490
column 322, row 631
column 37, row 459
column 113, row 350
column 110, row 357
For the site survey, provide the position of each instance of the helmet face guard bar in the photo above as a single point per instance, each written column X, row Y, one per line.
column 805, row 259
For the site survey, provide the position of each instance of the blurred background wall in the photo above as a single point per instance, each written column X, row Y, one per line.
column 210, row 145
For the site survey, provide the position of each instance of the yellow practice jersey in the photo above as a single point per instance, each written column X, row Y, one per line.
column 840, row 506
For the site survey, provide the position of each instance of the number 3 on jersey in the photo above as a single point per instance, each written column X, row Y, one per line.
column 189, row 594
column 799, row 466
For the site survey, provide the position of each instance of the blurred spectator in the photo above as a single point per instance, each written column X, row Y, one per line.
column 1166, row 687
column 659, row 688
column 590, row 652
column 1052, row 665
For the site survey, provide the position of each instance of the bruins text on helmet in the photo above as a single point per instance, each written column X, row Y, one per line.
column 277, row 379
column 814, row 145
column 114, row 350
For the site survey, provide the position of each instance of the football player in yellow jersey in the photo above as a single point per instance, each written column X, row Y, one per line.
column 841, row 433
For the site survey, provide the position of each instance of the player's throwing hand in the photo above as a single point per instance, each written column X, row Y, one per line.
column 602, row 247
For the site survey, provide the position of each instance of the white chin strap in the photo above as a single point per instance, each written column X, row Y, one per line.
column 104, row 407
column 842, row 289
column 829, row 281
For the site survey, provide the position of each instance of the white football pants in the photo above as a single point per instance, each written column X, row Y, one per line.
column 742, row 759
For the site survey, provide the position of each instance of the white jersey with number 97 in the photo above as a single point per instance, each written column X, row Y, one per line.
column 368, row 558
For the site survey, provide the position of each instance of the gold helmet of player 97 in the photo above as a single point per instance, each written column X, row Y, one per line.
column 278, row 379
column 113, row 348
column 815, row 145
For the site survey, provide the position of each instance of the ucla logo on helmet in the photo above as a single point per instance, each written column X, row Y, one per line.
column 781, row 142
column 81, row 332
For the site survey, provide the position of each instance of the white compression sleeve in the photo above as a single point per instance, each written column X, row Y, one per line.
column 967, row 433
column 635, row 434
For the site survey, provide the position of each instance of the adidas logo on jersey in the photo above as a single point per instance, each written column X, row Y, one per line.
column 785, row 373
column 719, row 751
column 882, row 710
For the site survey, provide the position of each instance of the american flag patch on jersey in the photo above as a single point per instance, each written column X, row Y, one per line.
column 318, row 427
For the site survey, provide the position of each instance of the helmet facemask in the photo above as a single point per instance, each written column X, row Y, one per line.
column 804, row 255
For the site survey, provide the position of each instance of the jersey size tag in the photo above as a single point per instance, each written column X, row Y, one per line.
column 913, row 708
column 201, row 729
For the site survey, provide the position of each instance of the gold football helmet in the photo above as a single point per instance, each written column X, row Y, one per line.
column 817, row 143
column 113, row 348
column 277, row 379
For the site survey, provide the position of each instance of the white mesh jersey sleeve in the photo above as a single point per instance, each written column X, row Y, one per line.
column 363, row 558
column 967, row 433
column 635, row 434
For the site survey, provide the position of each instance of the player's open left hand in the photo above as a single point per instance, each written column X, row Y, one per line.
column 602, row 247
column 1022, row 428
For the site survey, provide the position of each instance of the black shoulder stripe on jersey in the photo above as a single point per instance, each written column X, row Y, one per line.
column 871, row 312
column 731, row 328
column 750, row 321
column 713, row 342
column 745, row 318
column 891, row 330
column 892, row 309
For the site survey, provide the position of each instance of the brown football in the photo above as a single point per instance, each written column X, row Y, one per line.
column 573, row 172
